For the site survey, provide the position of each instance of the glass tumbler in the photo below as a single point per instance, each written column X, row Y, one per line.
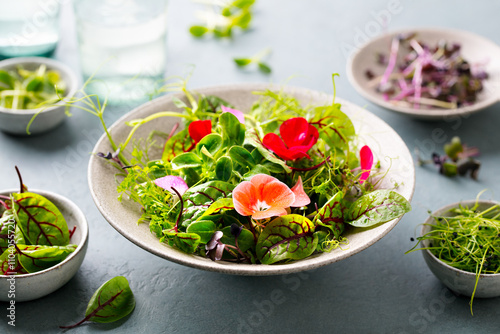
column 122, row 46
column 28, row 27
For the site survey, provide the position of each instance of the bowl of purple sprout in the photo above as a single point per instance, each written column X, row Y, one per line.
column 428, row 73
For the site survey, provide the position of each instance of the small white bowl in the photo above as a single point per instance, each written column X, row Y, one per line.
column 458, row 280
column 32, row 286
column 474, row 49
column 16, row 121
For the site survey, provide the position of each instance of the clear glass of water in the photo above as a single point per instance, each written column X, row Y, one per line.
column 28, row 27
column 122, row 44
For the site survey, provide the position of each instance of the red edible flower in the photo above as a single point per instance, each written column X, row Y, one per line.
column 366, row 162
column 199, row 129
column 297, row 137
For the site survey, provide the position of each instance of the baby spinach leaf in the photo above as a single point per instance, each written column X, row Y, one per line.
column 212, row 142
column 233, row 133
column 157, row 169
column 224, row 168
column 204, row 228
column 246, row 240
column 286, row 237
column 377, row 207
column 242, row 61
column 331, row 215
column 241, row 156
column 40, row 220
column 186, row 160
column 253, row 140
column 179, row 143
column 37, row 258
column 186, row 242
column 111, row 302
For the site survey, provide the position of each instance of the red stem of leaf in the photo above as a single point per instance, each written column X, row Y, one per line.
column 72, row 232
column 310, row 168
column 100, row 307
column 20, row 180
column 176, row 227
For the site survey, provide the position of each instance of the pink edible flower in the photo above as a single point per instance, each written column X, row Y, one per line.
column 168, row 182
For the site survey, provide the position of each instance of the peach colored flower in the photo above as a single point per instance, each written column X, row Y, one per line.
column 265, row 196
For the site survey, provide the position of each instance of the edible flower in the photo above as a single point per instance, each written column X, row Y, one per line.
column 265, row 196
column 366, row 162
column 239, row 115
column 297, row 137
column 168, row 182
column 199, row 129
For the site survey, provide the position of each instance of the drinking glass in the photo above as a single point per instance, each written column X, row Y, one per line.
column 28, row 27
column 122, row 46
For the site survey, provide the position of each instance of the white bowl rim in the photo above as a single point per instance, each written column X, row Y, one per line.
column 446, row 208
column 72, row 83
column 430, row 113
column 242, row 269
column 81, row 218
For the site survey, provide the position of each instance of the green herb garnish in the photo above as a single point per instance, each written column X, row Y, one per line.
column 111, row 302
column 256, row 59
column 221, row 17
column 467, row 239
column 24, row 89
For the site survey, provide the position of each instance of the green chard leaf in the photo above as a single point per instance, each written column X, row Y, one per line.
column 37, row 258
column 179, row 143
column 198, row 199
column 40, row 220
column 334, row 127
column 331, row 215
column 111, row 302
column 377, row 207
column 186, row 242
column 286, row 237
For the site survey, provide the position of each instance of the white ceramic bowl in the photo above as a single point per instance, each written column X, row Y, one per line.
column 32, row 286
column 16, row 121
column 383, row 140
column 474, row 48
column 458, row 280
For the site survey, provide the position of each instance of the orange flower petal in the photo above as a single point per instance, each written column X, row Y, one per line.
column 245, row 198
column 301, row 197
column 277, row 194
column 271, row 212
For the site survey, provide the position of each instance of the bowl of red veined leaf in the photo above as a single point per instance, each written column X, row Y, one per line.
column 428, row 73
column 251, row 179
column 461, row 246
column 43, row 242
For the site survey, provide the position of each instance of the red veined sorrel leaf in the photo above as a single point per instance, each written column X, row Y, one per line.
column 177, row 144
column 112, row 301
column 40, row 220
column 37, row 258
column 331, row 215
column 286, row 237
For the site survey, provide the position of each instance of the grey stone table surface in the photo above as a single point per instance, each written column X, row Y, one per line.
column 379, row 290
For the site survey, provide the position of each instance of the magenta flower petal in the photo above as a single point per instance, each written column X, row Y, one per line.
column 366, row 162
column 168, row 182
column 239, row 115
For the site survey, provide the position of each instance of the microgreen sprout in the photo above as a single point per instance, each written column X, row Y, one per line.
column 458, row 159
column 467, row 239
column 24, row 89
column 420, row 75
column 221, row 17
column 256, row 59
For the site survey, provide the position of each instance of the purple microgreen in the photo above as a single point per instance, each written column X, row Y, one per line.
column 236, row 230
column 177, row 222
column 21, row 186
column 215, row 248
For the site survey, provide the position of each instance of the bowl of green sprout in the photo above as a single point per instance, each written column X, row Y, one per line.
column 32, row 94
column 461, row 246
